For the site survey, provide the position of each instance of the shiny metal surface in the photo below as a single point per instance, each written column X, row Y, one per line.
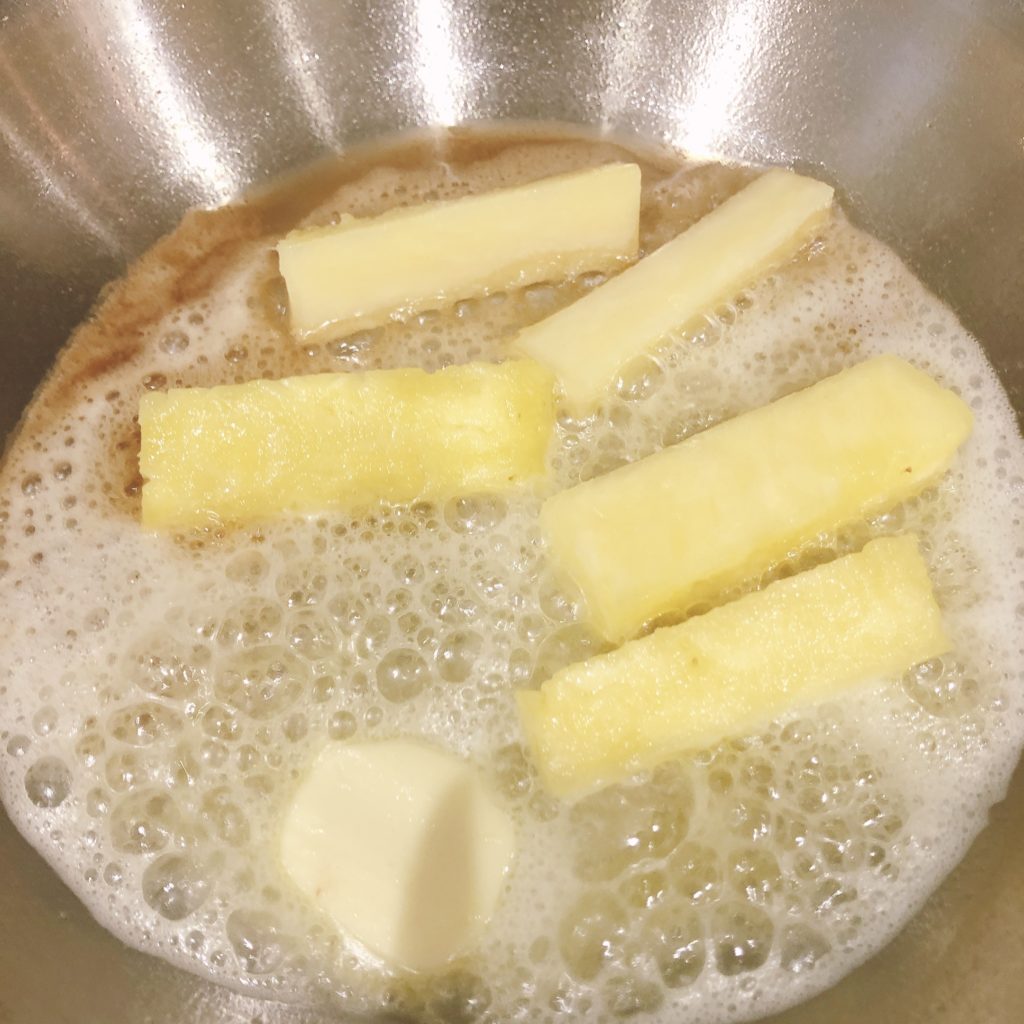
column 116, row 115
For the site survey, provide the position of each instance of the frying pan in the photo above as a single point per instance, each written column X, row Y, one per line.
column 118, row 115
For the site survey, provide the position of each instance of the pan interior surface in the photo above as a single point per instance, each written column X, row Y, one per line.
column 93, row 181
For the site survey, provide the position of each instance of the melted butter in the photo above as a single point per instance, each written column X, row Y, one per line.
column 162, row 696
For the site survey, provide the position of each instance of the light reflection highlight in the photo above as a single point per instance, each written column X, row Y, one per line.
column 160, row 94
column 300, row 66
column 439, row 66
column 718, row 83
column 623, row 54
column 53, row 189
column 53, row 185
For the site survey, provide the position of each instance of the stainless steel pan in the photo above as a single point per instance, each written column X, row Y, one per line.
column 117, row 115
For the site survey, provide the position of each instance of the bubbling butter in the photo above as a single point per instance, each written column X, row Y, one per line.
column 161, row 695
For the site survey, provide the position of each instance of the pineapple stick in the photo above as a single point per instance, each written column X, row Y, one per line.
column 730, row 671
column 662, row 534
column 587, row 343
column 360, row 271
column 327, row 441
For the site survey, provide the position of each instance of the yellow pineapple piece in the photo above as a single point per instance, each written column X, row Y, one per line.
column 672, row 530
column 360, row 271
column 340, row 440
column 588, row 343
column 731, row 671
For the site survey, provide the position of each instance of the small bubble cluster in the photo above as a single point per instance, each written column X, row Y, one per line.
column 161, row 696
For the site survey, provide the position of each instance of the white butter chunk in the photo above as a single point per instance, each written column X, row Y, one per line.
column 359, row 272
column 402, row 845
column 588, row 343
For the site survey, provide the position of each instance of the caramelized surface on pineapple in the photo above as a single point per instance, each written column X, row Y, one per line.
column 160, row 695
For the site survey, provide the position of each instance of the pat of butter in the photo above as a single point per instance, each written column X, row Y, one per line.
column 402, row 845
column 588, row 343
column 359, row 272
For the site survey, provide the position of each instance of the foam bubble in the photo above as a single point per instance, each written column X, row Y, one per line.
column 161, row 694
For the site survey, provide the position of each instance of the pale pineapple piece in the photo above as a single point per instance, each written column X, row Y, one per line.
column 359, row 272
column 242, row 452
column 732, row 670
column 665, row 533
column 588, row 343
